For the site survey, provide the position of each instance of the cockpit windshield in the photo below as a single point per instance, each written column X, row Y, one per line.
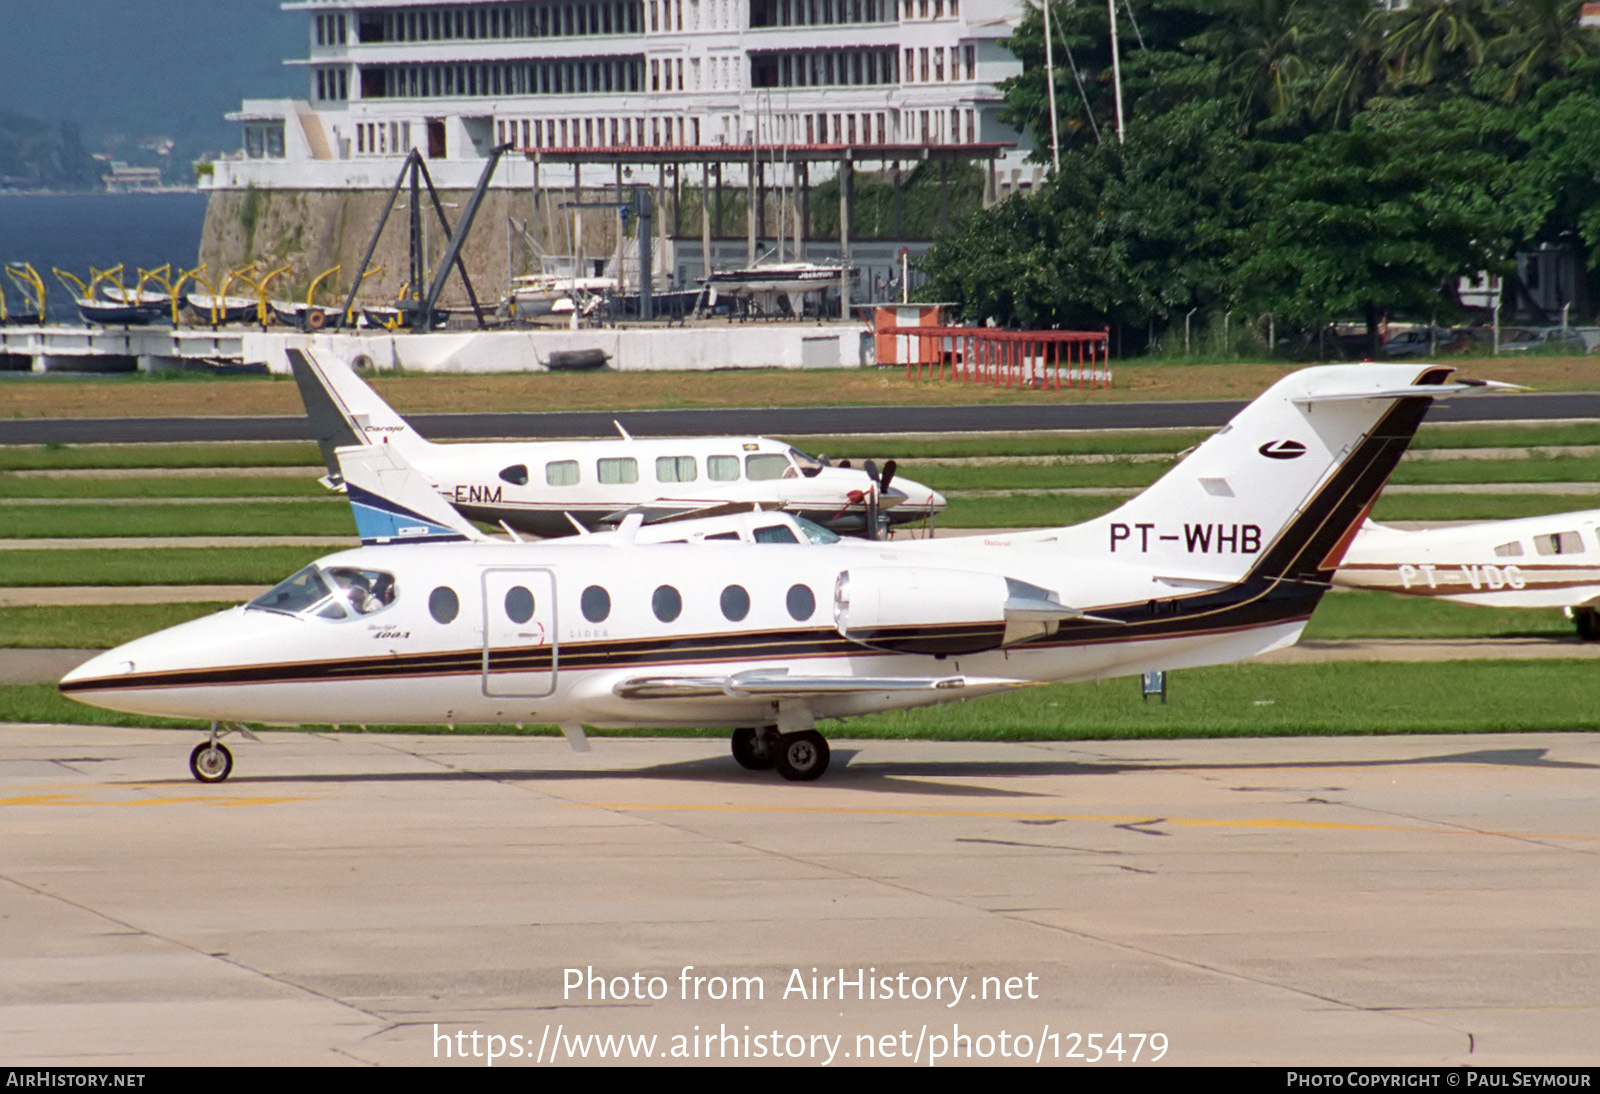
column 808, row 464
column 815, row 533
column 338, row 592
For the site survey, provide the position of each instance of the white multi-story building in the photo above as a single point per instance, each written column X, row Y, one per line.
column 454, row 78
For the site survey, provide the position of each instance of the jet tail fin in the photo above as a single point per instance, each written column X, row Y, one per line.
column 1282, row 488
column 344, row 410
column 394, row 503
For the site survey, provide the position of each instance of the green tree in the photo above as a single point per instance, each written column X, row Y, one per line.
column 1378, row 217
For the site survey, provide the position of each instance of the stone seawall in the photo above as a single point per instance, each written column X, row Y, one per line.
column 314, row 230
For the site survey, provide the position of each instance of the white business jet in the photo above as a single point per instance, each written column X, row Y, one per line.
column 1223, row 558
column 1530, row 562
column 542, row 486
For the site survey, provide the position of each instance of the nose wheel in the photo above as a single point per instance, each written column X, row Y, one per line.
column 211, row 762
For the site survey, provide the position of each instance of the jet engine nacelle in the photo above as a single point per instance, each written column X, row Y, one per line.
column 922, row 610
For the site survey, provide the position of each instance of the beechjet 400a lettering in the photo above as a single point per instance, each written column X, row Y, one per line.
column 1223, row 558
column 542, row 486
column 1530, row 562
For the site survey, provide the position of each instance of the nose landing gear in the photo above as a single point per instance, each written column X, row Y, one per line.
column 211, row 762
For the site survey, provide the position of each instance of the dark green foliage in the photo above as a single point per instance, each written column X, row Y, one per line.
column 1310, row 161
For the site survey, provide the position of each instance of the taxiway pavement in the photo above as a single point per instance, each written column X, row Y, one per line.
column 362, row 899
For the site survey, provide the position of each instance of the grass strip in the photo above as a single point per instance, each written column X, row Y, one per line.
column 1329, row 699
column 48, row 457
column 262, row 566
column 314, row 517
column 1352, row 613
column 165, row 486
column 92, row 627
column 1476, row 506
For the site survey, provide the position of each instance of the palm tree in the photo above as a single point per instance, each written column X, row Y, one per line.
column 1435, row 39
column 1541, row 40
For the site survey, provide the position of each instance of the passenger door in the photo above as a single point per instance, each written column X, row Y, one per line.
column 519, row 632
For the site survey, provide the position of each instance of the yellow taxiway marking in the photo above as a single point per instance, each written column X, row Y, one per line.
column 1139, row 819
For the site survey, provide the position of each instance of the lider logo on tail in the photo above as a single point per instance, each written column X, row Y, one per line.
column 1282, row 450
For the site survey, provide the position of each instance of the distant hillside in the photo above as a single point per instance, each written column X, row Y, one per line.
column 116, row 69
column 36, row 155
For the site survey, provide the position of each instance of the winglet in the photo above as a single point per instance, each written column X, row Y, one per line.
column 393, row 503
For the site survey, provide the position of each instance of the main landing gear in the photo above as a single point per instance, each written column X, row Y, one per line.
column 1588, row 621
column 799, row 757
column 211, row 762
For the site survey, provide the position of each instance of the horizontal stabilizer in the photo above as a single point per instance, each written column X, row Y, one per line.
column 1403, row 391
column 777, row 684
column 393, row 503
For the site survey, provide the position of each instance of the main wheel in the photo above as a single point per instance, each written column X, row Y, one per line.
column 752, row 749
column 1588, row 621
column 802, row 757
column 211, row 762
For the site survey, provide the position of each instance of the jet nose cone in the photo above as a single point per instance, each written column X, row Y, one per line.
column 102, row 666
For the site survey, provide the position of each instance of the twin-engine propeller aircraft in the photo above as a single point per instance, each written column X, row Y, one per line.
column 1223, row 558
column 542, row 486
column 1530, row 562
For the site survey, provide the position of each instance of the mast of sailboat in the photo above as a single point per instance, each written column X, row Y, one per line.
column 1116, row 65
column 1050, row 90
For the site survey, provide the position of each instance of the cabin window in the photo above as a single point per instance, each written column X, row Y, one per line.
column 443, row 604
column 802, row 602
column 561, row 473
column 722, row 468
column 1509, row 550
column 766, row 465
column 666, row 603
column 596, row 604
column 1559, row 543
column 519, row 605
column 675, row 469
column 724, row 535
column 517, row 474
column 775, row 533
column 617, row 472
column 735, row 603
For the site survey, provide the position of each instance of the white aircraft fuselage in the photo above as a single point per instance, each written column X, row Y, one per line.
column 1223, row 558
column 1529, row 562
column 533, row 485
column 536, row 486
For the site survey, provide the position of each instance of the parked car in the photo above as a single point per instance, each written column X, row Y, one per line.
column 1536, row 339
column 1420, row 343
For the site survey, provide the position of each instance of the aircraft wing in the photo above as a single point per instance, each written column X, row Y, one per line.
column 779, row 684
column 665, row 510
